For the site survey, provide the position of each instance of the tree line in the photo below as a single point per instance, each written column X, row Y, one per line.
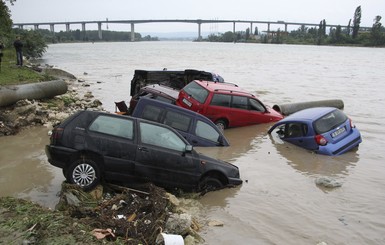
column 352, row 34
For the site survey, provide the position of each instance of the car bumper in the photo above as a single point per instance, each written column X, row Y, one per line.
column 346, row 144
column 235, row 181
column 59, row 156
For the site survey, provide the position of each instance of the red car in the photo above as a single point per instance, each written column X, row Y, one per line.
column 225, row 104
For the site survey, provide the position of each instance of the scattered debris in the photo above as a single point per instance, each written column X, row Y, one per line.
column 328, row 182
column 141, row 215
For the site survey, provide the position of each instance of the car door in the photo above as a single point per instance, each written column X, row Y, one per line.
column 298, row 133
column 161, row 157
column 113, row 138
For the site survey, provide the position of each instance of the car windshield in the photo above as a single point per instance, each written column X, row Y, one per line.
column 196, row 91
column 329, row 121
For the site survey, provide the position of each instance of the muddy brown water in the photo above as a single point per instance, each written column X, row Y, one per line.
column 279, row 202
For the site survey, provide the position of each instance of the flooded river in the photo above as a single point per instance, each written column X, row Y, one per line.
column 279, row 202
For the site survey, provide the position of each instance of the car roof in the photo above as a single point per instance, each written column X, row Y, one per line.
column 309, row 114
column 162, row 90
column 162, row 104
column 225, row 88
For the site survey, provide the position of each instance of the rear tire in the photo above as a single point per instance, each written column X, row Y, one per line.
column 84, row 173
column 221, row 124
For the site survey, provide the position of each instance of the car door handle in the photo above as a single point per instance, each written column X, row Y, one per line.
column 144, row 149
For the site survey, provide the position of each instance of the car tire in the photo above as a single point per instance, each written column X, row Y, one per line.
column 221, row 124
column 210, row 184
column 84, row 173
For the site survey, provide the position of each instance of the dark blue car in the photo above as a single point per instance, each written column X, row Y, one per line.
column 324, row 130
column 197, row 129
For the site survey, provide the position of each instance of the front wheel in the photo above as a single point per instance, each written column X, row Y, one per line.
column 210, row 184
column 84, row 173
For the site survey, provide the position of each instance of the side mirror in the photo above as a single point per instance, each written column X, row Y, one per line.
column 188, row 148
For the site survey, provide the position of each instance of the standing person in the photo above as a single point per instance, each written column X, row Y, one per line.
column 1, row 52
column 19, row 51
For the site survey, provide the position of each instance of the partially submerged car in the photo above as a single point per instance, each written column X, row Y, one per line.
column 324, row 130
column 92, row 146
column 154, row 91
column 197, row 129
column 226, row 104
column 173, row 79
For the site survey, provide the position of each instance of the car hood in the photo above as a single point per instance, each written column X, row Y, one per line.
column 205, row 160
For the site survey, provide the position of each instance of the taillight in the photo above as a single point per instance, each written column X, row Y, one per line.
column 351, row 123
column 56, row 135
column 320, row 140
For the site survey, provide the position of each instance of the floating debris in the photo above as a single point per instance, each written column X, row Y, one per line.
column 328, row 182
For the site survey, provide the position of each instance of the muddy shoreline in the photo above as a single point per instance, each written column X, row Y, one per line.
column 108, row 215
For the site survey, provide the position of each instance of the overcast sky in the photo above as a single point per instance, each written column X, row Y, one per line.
column 333, row 11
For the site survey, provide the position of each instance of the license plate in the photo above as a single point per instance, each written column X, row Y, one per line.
column 188, row 103
column 338, row 132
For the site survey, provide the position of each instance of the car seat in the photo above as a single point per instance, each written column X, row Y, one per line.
column 121, row 105
column 294, row 131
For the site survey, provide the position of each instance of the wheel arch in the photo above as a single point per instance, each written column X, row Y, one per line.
column 96, row 157
column 215, row 174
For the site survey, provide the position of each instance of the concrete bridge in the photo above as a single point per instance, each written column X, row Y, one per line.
column 199, row 22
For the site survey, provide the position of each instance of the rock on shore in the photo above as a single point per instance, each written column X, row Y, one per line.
column 26, row 113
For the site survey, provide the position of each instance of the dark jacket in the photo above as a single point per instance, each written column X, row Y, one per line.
column 18, row 45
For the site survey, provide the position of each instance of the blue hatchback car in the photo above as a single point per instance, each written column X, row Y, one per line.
column 325, row 130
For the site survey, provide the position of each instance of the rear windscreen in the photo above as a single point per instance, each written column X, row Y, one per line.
column 329, row 121
column 196, row 91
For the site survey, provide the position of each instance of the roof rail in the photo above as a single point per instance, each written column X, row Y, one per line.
column 232, row 91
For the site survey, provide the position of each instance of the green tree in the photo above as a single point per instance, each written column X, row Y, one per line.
column 256, row 31
column 228, row 37
column 34, row 43
column 376, row 34
column 338, row 33
column 5, row 20
column 356, row 22
column 247, row 34
column 348, row 27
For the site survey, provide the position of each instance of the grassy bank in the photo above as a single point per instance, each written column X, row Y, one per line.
column 11, row 74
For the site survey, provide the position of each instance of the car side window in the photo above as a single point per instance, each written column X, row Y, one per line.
column 221, row 100
column 206, row 131
column 160, row 136
column 152, row 113
column 121, row 127
column 255, row 105
column 294, row 130
column 239, row 102
column 177, row 121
